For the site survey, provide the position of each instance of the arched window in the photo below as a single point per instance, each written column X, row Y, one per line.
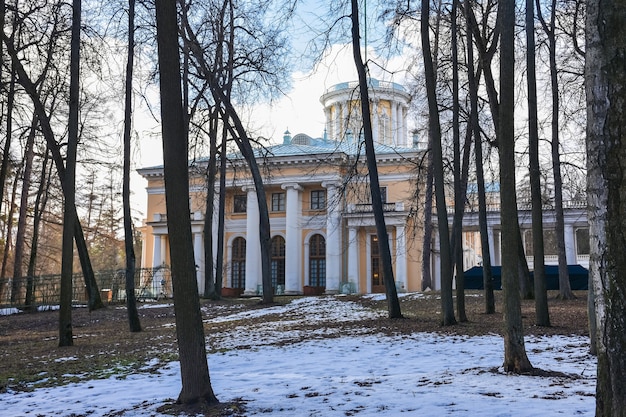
column 317, row 261
column 238, row 263
column 278, row 262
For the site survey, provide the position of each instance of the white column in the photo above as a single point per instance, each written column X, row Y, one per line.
column 163, row 250
column 328, row 122
column 293, row 241
column 156, row 252
column 333, row 239
column 307, row 273
column 393, row 123
column 353, row 257
column 337, row 122
column 401, row 259
column 228, row 282
column 144, row 250
column 158, row 257
column 198, row 255
column 253, row 245
column 399, row 140
column 436, row 260
column 570, row 244
column 497, row 251
column 404, row 128
column 492, row 249
column 215, row 226
column 375, row 121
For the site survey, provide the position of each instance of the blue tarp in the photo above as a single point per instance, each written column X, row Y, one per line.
column 578, row 277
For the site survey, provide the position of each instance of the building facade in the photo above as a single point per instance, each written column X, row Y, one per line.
column 323, row 237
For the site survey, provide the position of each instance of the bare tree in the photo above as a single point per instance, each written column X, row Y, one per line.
column 210, row 288
column 486, row 52
column 460, row 170
column 196, row 383
column 231, row 54
column 541, row 295
column 490, row 306
column 605, row 84
column 219, row 268
column 39, row 206
column 565, row 289
column 10, row 98
column 515, row 359
column 44, row 118
column 393, row 304
column 434, row 131
column 131, row 302
column 9, row 235
column 4, row 167
column 69, row 185
column 20, row 237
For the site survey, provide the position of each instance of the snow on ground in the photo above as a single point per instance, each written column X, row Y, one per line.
column 423, row 374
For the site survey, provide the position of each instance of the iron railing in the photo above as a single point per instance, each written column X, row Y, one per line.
column 150, row 284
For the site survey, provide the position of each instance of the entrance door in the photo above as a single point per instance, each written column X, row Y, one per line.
column 376, row 274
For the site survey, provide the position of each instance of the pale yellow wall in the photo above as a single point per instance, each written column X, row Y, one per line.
column 397, row 191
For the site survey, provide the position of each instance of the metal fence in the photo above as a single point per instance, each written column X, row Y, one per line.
column 150, row 284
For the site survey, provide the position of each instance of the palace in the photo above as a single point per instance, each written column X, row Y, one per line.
column 323, row 237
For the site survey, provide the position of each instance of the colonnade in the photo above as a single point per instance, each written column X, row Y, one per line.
column 386, row 129
column 335, row 256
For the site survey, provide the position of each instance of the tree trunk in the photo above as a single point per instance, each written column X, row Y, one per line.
column 490, row 305
column 20, row 237
column 393, row 304
column 4, row 168
column 434, row 130
column 196, row 383
column 459, row 194
column 428, row 223
column 605, row 83
column 9, row 126
column 525, row 285
column 210, row 290
column 565, row 289
column 7, row 144
column 485, row 55
column 69, row 185
column 541, row 295
column 38, row 209
column 129, row 247
column 515, row 359
column 219, row 267
column 9, row 236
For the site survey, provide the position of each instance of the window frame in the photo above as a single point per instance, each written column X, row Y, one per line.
column 318, row 200
column 317, row 261
column 240, row 201
column 278, row 202
column 238, row 263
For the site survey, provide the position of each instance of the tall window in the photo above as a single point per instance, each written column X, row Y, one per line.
column 240, row 203
column 377, row 279
column 383, row 194
column 278, row 202
column 278, row 261
column 238, row 263
column 318, row 200
column 317, row 261
column 582, row 241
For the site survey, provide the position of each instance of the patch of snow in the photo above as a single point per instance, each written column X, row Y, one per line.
column 276, row 372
